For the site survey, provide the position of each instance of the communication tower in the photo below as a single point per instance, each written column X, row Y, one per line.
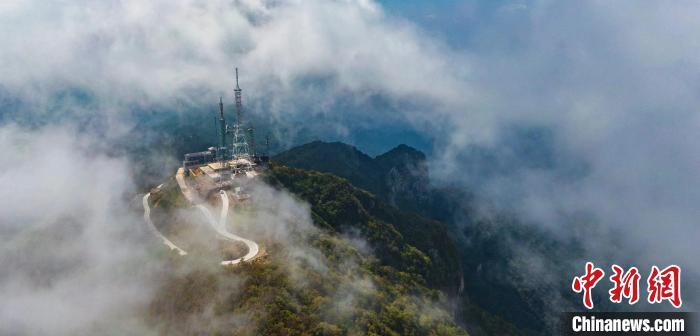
column 239, row 144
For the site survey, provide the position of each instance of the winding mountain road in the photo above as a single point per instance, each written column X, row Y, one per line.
column 152, row 227
column 219, row 226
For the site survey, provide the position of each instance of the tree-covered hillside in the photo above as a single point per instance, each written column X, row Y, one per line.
column 490, row 250
column 392, row 286
column 336, row 158
column 404, row 240
column 399, row 177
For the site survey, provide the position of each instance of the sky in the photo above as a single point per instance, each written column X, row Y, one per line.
column 605, row 93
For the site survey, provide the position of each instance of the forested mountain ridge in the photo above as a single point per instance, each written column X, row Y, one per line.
column 399, row 176
column 404, row 240
column 492, row 301
column 393, row 288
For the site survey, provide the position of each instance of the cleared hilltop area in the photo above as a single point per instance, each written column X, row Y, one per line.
column 212, row 182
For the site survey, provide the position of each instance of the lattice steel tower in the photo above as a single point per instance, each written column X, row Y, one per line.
column 221, row 149
column 239, row 145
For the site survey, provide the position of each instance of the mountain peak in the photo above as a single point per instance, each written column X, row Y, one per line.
column 328, row 146
column 403, row 153
column 400, row 176
column 337, row 158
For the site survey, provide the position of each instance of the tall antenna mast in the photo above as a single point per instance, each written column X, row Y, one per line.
column 239, row 143
column 239, row 104
column 221, row 107
column 221, row 151
column 251, row 141
column 222, row 124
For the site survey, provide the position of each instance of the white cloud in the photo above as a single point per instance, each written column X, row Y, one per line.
column 74, row 264
column 616, row 81
column 141, row 52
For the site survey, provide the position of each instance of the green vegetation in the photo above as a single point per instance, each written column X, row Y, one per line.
column 336, row 158
column 491, row 300
column 355, row 295
column 391, row 288
column 404, row 240
column 399, row 176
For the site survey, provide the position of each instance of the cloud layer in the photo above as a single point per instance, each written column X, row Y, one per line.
column 73, row 252
column 130, row 52
column 613, row 84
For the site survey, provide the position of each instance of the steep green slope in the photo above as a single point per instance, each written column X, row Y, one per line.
column 401, row 240
column 266, row 299
column 484, row 247
column 404, row 240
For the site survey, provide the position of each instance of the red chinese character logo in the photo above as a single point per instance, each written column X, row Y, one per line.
column 586, row 283
column 665, row 285
column 626, row 285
